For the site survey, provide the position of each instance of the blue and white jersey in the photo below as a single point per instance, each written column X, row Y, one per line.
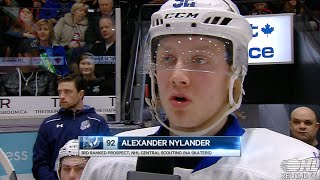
column 265, row 155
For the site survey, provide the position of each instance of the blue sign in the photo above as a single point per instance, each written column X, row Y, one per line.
column 18, row 148
column 272, row 41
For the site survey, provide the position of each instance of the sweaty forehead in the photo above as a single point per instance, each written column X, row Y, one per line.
column 190, row 42
column 71, row 160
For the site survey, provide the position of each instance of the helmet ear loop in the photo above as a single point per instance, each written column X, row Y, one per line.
column 232, row 88
column 153, row 101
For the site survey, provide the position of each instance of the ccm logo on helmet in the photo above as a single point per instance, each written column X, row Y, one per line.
column 181, row 15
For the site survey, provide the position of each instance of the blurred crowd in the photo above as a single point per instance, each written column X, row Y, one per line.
column 79, row 36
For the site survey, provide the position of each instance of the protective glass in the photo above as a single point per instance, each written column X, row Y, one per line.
column 77, row 164
column 198, row 53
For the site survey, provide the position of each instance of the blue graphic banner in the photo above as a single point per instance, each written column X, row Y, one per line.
column 159, row 146
column 160, row 142
column 18, row 148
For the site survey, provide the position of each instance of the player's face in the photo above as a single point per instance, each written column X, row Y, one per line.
column 195, row 88
column 303, row 125
column 72, row 167
column 86, row 67
column 69, row 97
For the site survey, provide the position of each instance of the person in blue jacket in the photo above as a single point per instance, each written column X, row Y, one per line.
column 55, row 9
column 73, row 119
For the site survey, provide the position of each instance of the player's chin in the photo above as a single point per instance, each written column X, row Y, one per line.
column 182, row 122
column 65, row 106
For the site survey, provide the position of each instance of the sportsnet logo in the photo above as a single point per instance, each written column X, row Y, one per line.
column 301, row 169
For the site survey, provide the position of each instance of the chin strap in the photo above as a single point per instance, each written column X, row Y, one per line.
column 232, row 106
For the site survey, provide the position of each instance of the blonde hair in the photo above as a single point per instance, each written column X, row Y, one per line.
column 76, row 6
column 44, row 22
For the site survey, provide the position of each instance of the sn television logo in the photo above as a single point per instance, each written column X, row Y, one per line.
column 301, row 169
column 266, row 52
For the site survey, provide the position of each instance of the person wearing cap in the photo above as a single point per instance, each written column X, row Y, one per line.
column 53, row 10
column 69, row 164
column 304, row 125
column 73, row 119
column 96, row 86
column 29, row 79
column 196, row 55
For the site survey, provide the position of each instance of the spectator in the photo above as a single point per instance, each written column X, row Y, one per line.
column 25, row 27
column 45, row 36
column 197, row 69
column 260, row 8
column 69, row 164
column 73, row 119
column 304, row 126
column 96, row 86
column 28, row 80
column 108, row 33
column 107, row 47
column 70, row 31
column 55, row 9
column 291, row 7
column 106, row 8
column 92, row 35
column 8, row 15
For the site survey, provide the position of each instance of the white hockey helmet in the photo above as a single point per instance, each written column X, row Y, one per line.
column 214, row 18
column 71, row 148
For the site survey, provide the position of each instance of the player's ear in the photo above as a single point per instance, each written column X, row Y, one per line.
column 81, row 93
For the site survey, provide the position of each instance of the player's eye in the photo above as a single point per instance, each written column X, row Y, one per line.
column 66, row 168
column 199, row 60
column 168, row 59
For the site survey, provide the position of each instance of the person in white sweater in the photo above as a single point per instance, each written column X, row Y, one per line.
column 196, row 54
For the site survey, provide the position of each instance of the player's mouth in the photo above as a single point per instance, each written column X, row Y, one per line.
column 179, row 101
